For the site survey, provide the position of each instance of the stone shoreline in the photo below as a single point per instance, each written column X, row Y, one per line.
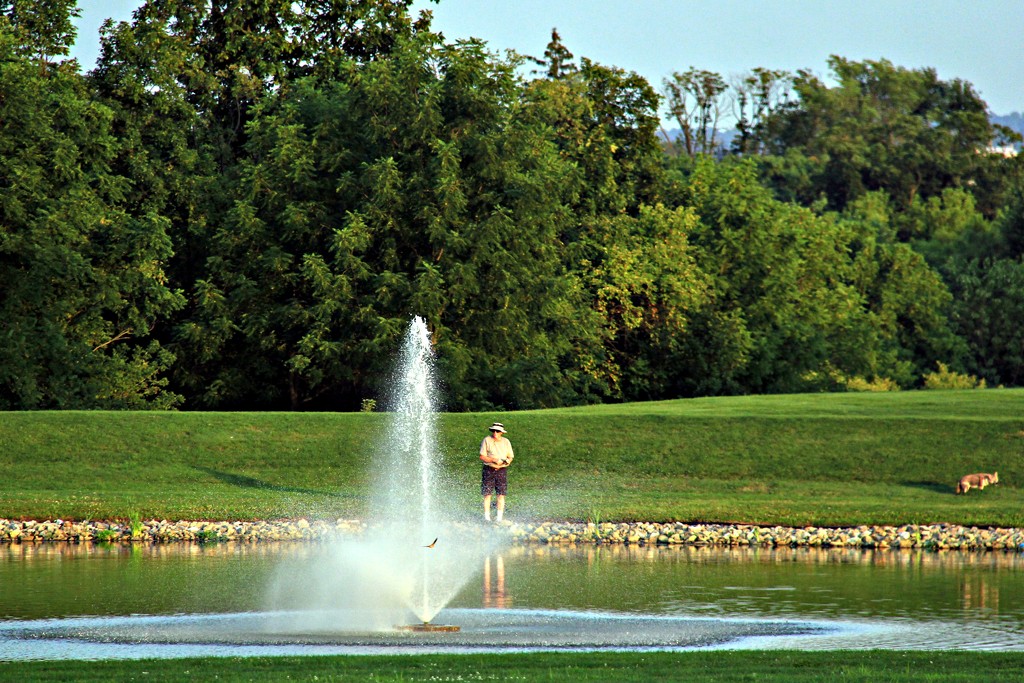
column 920, row 536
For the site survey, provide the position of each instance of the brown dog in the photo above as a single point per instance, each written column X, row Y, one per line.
column 976, row 481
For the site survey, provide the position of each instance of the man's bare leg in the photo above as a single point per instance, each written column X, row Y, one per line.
column 501, row 507
column 487, row 507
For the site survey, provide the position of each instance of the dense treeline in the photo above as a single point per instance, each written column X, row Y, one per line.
column 242, row 205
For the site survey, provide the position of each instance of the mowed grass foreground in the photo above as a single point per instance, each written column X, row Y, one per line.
column 818, row 459
column 693, row 667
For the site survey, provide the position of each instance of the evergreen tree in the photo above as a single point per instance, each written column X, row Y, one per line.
column 557, row 61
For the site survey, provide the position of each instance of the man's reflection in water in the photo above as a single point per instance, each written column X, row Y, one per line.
column 977, row 594
column 494, row 584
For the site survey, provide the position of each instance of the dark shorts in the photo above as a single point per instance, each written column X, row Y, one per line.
column 493, row 481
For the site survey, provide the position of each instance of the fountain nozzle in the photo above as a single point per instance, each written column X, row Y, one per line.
column 427, row 627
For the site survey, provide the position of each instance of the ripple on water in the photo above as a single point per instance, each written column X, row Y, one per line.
column 285, row 633
column 896, row 634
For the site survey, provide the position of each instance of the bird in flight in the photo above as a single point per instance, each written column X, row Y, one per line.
column 431, row 544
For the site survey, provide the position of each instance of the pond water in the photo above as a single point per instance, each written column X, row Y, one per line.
column 95, row 601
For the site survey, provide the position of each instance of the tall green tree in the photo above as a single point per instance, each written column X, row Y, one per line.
column 82, row 277
column 906, row 299
column 883, row 127
column 410, row 187
column 221, row 58
column 988, row 312
column 1010, row 221
column 782, row 306
column 796, row 297
column 756, row 96
column 696, row 101
column 984, row 272
column 183, row 79
column 557, row 61
column 643, row 280
column 629, row 252
column 42, row 29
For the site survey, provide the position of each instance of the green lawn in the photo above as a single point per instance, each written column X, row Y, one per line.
column 822, row 459
column 694, row 667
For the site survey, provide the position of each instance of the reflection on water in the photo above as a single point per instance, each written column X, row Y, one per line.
column 978, row 593
column 716, row 554
column 74, row 551
column 591, row 554
column 902, row 598
column 494, row 595
column 798, row 582
column 62, row 579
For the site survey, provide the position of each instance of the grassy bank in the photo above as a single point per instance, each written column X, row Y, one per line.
column 689, row 666
column 822, row 459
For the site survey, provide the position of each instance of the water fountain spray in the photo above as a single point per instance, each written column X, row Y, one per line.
column 418, row 550
column 413, row 438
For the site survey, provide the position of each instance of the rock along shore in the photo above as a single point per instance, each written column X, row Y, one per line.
column 923, row 536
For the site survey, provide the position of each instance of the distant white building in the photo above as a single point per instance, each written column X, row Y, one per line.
column 1003, row 150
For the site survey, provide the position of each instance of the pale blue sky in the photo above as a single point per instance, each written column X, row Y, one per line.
column 981, row 41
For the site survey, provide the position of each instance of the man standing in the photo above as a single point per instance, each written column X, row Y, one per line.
column 496, row 454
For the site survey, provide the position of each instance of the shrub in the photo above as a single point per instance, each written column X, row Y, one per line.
column 876, row 384
column 945, row 378
column 106, row 536
column 826, row 378
column 207, row 536
column 135, row 520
